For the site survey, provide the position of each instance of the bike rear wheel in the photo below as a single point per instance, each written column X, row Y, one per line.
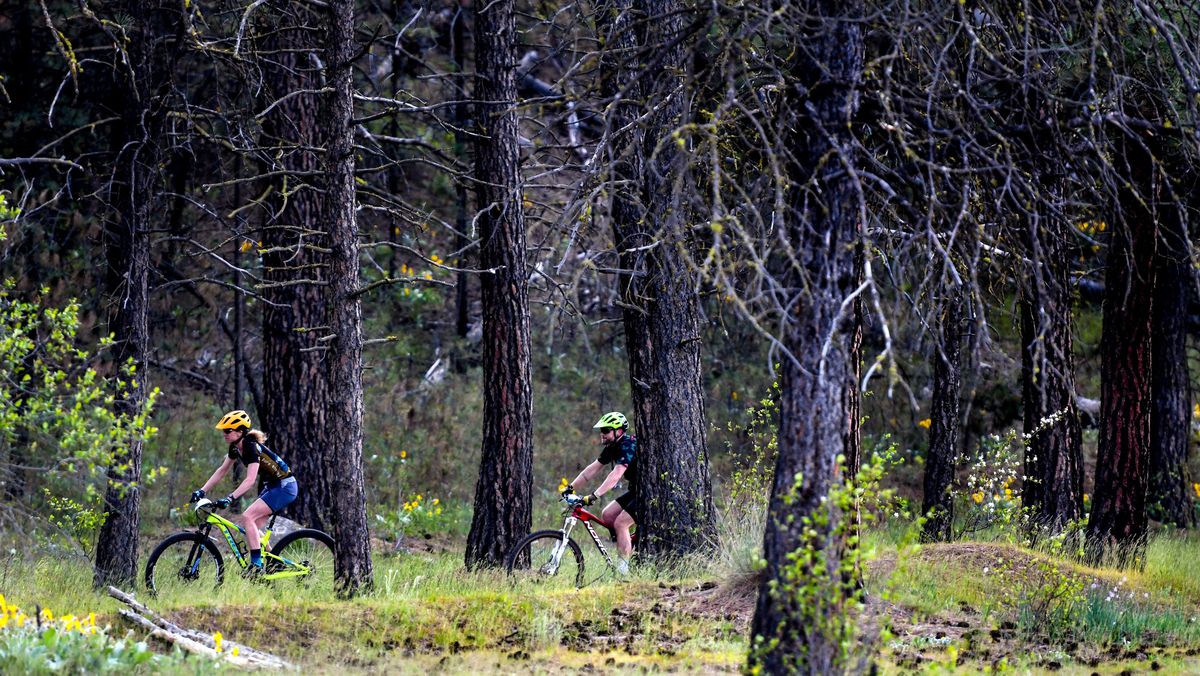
column 307, row 561
column 184, row 562
column 533, row 558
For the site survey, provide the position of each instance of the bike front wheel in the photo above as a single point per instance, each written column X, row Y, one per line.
column 305, row 557
column 544, row 556
column 184, row 562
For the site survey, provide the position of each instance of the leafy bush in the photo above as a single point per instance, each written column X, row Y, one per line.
column 989, row 498
column 43, row 644
column 754, row 464
column 57, row 410
column 415, row 517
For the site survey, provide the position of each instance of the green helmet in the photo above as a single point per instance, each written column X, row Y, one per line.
column 611, row 421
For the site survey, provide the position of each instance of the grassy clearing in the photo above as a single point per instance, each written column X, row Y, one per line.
column 426, row 608
column 958, row 608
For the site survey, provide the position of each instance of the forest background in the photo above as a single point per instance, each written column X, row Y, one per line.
column 427, row 244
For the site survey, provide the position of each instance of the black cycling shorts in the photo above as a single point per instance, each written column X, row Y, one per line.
column 627, row 502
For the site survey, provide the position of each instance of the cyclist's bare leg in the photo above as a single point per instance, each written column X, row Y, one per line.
column 252, row 520
column 622, row 521
column 622, row 524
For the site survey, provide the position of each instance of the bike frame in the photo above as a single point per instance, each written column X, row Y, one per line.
column 227, row 527
column 574, row 514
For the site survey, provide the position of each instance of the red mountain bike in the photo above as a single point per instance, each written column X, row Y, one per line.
column 553, row 554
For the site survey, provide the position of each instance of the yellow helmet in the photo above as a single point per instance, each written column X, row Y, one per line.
column 234, row 420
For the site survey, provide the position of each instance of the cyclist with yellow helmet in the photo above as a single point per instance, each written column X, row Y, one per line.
column 277, row 488
column 619, row 450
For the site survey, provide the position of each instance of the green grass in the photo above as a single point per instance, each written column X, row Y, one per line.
column 422, row 604
column 427, row 613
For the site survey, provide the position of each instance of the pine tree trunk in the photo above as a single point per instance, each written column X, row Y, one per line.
column 1170, row 498
column 661, row 310
column 1116, row 531
column 1053, row 483
column 945, row 420
column 798, row 627
column 135, row 197
column 503, row 502
column 294, row 385
column 341, row 463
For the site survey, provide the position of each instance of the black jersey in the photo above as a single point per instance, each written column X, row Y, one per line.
column 623, row 451
column 271, row 467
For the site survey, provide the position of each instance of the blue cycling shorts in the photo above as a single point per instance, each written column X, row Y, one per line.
column 280, row 495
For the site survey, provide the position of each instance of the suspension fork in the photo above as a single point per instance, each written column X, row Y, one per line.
column 568, row 524
column 193, row 560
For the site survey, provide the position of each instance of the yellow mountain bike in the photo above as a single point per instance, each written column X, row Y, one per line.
column 190, row 560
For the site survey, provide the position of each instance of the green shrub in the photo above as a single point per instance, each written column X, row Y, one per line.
column 44, row 644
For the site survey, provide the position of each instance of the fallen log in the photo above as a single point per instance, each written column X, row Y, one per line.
column 186, row 643
column 192, row 640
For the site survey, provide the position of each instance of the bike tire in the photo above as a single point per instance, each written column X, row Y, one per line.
column 529, row 559
column 184, row 561
column 311, row 548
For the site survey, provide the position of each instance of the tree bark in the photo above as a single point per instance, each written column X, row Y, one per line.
column 794, row 627
column 1053, row 484
column 945, row 420
column 135, row 199
column 661, row 310
column 294, row 385
column 503, row 502
column 1116, row 531
column 1170, row 498
column 341, row 462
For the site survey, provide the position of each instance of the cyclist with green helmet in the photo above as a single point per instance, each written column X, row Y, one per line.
column 620, row 451
column 277, row 488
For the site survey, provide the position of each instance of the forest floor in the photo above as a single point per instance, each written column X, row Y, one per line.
column 958, row 608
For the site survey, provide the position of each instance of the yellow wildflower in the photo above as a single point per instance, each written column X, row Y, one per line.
column 977, row 497
column 403, row 454
column 733, row 395
column 436, row 501
column 217, row 639
column 926, row 423
column 1196, row 489
column 246, row 246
